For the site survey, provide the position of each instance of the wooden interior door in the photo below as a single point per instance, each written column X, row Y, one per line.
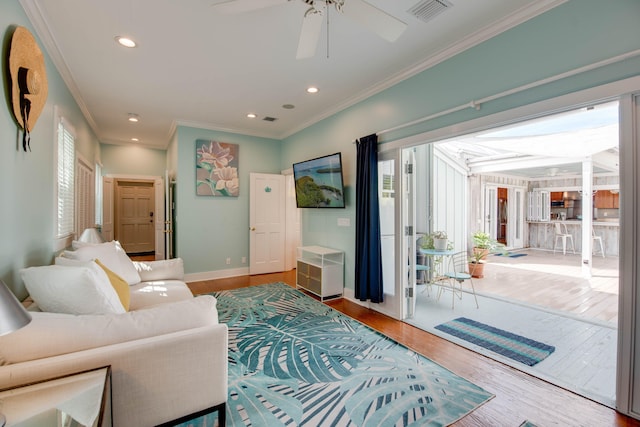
column 135, row 222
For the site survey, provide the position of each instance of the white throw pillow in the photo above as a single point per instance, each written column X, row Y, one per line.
column 72, row 289
column 112, row 256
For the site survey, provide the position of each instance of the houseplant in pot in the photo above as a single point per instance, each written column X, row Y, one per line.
column 483, row 244
column 477, row 263
column 439, row 240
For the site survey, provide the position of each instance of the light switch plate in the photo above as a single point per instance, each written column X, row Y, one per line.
column 344, row 222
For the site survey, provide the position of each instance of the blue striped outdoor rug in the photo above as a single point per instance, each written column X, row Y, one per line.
column 516, row 347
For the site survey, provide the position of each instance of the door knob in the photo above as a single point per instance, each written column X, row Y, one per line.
column 252, row 228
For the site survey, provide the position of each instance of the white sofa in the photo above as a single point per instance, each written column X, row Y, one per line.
column 168, row 354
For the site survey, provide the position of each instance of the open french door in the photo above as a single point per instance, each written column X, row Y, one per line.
column 388, row 202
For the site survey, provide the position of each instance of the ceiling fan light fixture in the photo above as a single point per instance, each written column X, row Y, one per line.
column 126, row 41
column 252, row 115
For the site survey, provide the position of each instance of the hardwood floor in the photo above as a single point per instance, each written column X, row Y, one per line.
column 519, row 396
column 555, row 281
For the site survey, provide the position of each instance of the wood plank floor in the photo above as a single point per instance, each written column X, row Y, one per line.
column 555, row 281
column 519, row 396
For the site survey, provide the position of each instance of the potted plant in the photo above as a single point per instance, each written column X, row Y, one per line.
column 439, row 239
column 483, row 244
column 476, row 264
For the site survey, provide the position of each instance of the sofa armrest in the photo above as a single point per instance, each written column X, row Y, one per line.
column 153, row 380
column 165, row 269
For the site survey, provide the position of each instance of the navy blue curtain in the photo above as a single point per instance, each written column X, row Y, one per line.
column 368, row 280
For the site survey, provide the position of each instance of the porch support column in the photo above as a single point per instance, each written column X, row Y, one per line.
column 587, row 216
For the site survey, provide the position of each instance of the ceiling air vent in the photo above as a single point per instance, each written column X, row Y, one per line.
column 426, row 10
column 269, row 119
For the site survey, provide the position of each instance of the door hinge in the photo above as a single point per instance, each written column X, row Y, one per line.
column 408, row 168
column 408, row 230
column 408, row 292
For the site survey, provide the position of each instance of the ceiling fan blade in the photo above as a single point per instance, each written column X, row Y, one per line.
column 376, row 20
column 310, row 33
column 240, row 6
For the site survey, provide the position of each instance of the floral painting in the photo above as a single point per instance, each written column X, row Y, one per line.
column 216, row 168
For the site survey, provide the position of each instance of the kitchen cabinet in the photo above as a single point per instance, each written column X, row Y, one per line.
column 557, row 196
column 605, row 199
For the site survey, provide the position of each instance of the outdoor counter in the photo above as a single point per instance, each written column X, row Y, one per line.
column 542, row 235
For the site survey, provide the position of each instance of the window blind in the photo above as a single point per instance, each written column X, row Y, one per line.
column 65, row 180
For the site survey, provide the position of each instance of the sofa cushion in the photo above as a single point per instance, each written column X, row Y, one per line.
column 150, row 294
column 110, row 254
column 51, row 334
column 83, row 289
column 165, row 269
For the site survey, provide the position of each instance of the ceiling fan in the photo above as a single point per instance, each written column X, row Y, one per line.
column 381, row 23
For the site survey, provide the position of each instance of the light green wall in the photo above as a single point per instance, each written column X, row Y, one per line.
column 210, row 229
column 573, row 35
column 26, row 179
column 133, row 160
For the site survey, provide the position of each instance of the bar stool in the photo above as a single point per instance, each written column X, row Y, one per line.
column 564, row 235
column 596, row 238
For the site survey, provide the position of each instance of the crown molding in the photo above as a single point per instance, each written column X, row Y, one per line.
column 518, row 17
column 42, row 29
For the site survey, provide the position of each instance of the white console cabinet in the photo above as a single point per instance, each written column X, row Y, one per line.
column 320, row 271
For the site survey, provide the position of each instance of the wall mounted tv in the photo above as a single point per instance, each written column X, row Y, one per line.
column 319, row 182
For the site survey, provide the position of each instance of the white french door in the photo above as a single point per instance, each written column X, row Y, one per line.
column 515, row 224
column 408, row 229
column 491, row 210
column 387, row 200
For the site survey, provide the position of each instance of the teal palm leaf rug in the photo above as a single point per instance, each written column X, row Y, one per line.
column 297, row 362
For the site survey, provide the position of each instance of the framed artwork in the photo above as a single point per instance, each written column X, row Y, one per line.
column 216, row 168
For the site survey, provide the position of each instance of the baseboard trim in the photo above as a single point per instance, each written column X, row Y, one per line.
column 218, row 274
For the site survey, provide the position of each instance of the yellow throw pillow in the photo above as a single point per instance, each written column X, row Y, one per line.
column 119, row 284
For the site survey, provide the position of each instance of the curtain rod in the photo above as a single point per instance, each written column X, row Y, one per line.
column 476, row 104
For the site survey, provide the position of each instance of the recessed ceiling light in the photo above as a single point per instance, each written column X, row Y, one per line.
column 251, row 115
column 125, row 41
column 312, row 89
column 135, row 139
column 134, row 118
column 288, row 106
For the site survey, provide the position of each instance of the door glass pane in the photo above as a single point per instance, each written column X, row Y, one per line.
column 386, row 194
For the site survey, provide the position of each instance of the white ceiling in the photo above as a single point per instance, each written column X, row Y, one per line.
column 545, row 148
column 196, row 67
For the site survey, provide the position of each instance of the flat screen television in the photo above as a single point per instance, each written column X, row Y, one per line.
column 319, row 182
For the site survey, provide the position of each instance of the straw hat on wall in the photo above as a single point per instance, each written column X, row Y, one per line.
column 28, row 81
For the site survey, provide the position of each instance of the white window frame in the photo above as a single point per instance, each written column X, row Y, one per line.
column 85, row 194
column 64, row 195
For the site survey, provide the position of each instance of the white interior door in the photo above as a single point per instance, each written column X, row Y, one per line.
column 292, row 239
column 266, row 223
column 159, row 219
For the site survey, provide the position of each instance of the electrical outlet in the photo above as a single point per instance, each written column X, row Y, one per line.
column 228, row 261
column 244, row 259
